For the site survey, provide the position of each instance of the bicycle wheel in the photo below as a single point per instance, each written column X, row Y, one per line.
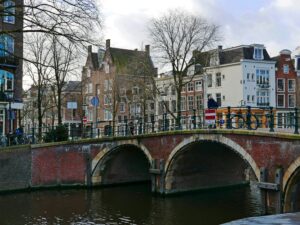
column 254, row 122
column 237, row 122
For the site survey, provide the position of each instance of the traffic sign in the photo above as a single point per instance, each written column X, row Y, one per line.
column 210, row 115
column 84, row 119
column 95, row 101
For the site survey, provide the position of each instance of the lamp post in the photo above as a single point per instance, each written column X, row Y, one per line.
column 9, row 97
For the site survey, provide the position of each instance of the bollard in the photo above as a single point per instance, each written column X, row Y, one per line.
column 271, row 123
column 228, row 120
column 248, row 117
column 296, row 121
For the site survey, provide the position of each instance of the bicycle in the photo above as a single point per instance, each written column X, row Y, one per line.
column 239, row 121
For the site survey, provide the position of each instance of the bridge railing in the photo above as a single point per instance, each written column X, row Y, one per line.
column 263, row 119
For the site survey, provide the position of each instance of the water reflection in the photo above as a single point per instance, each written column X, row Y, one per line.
column 127, row 205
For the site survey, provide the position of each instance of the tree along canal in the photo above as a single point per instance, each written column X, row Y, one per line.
column 134, row 204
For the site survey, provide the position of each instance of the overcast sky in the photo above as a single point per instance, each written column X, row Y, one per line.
column 274, row 23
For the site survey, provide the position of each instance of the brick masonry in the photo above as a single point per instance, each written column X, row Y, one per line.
column 101, row 161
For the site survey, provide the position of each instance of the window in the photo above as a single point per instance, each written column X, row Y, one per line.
column 88, row 72
column 263, row 98
column 262, row 77
column 253, row 98
column 218, row 80
column 199, row 102
column 122, row 106
column 252, row 76
column 198, row 85
column 97, row 87
column 298, row 63
column 106, row 67
column 89, row 88
column 107, row 99
column 258, row 54
column 248, row 98
column 291, row 101
column 106, row 84
column 7, row 44
column 135, row 90
column 6, row 81
column 173, row 90
column 190, row 102
column 107, row 115
column 161, row 108
column 183, row 106
column 248, row 76
column 9, row 12
column 190, row 86
column 123, row 92
column 218, row 99
column 151, row 106
column 173, row 105
column 285, row 69
column 280, row 84
column 209, row 80
column 135, row 108
column 280, row 100
column 291, row 85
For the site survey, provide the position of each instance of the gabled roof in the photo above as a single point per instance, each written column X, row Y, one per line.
column 94, row 60
column 230, row 55
column 131, row 61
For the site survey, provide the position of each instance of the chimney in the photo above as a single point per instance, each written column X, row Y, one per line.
column 90, row 49
column 147, row 49
column 107, row 43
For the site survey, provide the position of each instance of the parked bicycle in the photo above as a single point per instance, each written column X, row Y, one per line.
column 248, row 121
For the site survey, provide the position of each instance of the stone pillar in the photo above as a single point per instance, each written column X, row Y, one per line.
column 271, row 193
column 157, row 176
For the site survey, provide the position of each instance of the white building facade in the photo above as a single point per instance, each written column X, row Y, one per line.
column 241, row 76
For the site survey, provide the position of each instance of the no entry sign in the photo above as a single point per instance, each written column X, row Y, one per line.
column 210, row 115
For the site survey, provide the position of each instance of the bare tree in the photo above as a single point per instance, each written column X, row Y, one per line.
column 39, row 53
column 64, row 63
column 175, row 36
column 71, row 19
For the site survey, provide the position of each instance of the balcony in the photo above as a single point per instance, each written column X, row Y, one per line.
column 263, row 104
column 263, row 85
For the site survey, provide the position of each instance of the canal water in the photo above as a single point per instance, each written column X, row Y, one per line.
column 127, row 205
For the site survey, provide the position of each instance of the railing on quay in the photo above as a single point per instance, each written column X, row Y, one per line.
column 226, row 118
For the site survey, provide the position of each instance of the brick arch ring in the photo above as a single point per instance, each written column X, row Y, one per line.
column 116, row 145
column 289, row 173
column 215, row 138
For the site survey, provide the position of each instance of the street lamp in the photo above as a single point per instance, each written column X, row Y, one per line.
column 9, row 97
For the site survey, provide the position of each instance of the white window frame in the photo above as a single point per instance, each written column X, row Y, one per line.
column 291, row 106
column 278, row 90
column 283, row 104
column 294, row 81
column 286, row 69
column 198, row 85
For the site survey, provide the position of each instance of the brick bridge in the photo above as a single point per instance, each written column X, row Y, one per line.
column 173, row 162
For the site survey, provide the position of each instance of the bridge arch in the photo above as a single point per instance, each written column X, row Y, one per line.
column 207, row 138
column 121, row 162
column 291, row 187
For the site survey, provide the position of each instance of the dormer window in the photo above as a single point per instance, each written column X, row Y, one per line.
column 285, row 69
column 258, row 53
